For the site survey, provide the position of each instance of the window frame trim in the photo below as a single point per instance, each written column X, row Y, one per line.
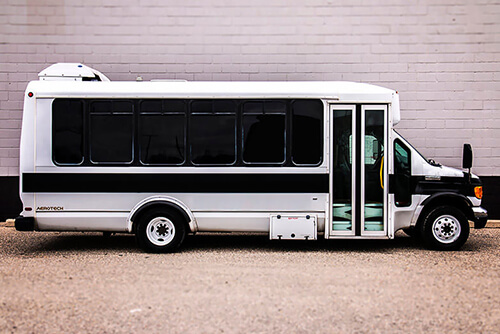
column 285, row 102
column 162, row 113
column 132, row 113
column 238, row 113
column 52, row 129
column 191, row 114
column 322, row 134
column 408, row 150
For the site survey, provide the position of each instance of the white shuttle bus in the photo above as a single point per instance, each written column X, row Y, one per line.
column 295, row 160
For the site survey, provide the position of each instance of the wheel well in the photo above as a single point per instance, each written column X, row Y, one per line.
column 454, row 201
column 160, row 206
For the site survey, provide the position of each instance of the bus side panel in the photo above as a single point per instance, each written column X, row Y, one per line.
column 225, row 209
column 404, row 217
column 27, row 150
column 109, row 211
column 242, row 221
column 44, row 133
column 82, row 221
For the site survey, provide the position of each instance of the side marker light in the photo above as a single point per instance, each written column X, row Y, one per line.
column 478, row 192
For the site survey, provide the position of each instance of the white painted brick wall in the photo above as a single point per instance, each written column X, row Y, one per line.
column 442, row 56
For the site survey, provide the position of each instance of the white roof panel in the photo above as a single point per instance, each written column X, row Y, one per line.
column 337, row 90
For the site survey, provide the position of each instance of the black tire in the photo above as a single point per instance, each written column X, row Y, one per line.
column 445, row 228
column 160, row 231
column 410, row 231
column 414, row 234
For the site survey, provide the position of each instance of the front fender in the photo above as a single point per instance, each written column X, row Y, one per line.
column 445, row 198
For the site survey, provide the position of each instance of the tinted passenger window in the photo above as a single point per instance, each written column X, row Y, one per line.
column 212, row 132
column 264, row 132
column 67, row 135
column 162, row 132
column 111, row 132
column 307, row 132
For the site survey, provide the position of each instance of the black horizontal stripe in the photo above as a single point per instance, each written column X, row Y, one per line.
column 175, row 183
column 445, row 184
column 459, row 185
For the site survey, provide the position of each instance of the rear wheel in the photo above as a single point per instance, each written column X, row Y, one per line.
column 160, row 231
column 445, row 228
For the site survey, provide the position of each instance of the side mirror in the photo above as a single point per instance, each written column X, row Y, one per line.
column 467, row 156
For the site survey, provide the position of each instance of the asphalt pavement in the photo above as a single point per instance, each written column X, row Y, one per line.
column 234, row 283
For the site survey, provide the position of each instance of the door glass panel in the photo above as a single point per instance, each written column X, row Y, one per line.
column 373, row 166
column 342, row 217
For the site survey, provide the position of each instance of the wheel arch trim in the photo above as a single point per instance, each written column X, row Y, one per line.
column 162, row 200
column 445, row 196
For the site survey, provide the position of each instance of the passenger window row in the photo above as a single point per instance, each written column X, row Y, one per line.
column 179, row 132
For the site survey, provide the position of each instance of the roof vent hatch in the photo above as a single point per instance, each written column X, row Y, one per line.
column 71, row 72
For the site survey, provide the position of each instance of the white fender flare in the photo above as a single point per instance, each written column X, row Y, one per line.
column 173, row 202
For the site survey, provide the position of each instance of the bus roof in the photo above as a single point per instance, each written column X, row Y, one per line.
column 335, row 90
column 54, row 83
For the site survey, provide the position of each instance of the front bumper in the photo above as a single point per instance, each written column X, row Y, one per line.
column 480, row 217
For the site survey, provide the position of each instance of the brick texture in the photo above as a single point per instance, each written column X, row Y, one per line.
column 442, row 56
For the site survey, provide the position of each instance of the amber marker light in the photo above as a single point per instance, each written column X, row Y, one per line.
column 478, row 192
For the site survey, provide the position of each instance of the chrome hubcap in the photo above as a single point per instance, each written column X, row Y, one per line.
column 160, row 231
column 446, row 229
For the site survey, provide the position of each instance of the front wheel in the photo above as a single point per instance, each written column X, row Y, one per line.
column 160, row 231
column 411, row 232
column 445, row 228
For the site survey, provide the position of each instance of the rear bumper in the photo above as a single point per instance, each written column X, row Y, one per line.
column 25, row 223
column 480, row 217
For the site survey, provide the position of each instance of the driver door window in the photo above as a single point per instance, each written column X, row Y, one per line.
column 402, row 173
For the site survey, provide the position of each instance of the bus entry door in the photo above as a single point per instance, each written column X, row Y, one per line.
column 358, row 182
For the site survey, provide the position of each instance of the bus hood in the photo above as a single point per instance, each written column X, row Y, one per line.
column 444, row 171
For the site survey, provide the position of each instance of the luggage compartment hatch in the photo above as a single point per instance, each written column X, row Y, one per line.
column 293, row 227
